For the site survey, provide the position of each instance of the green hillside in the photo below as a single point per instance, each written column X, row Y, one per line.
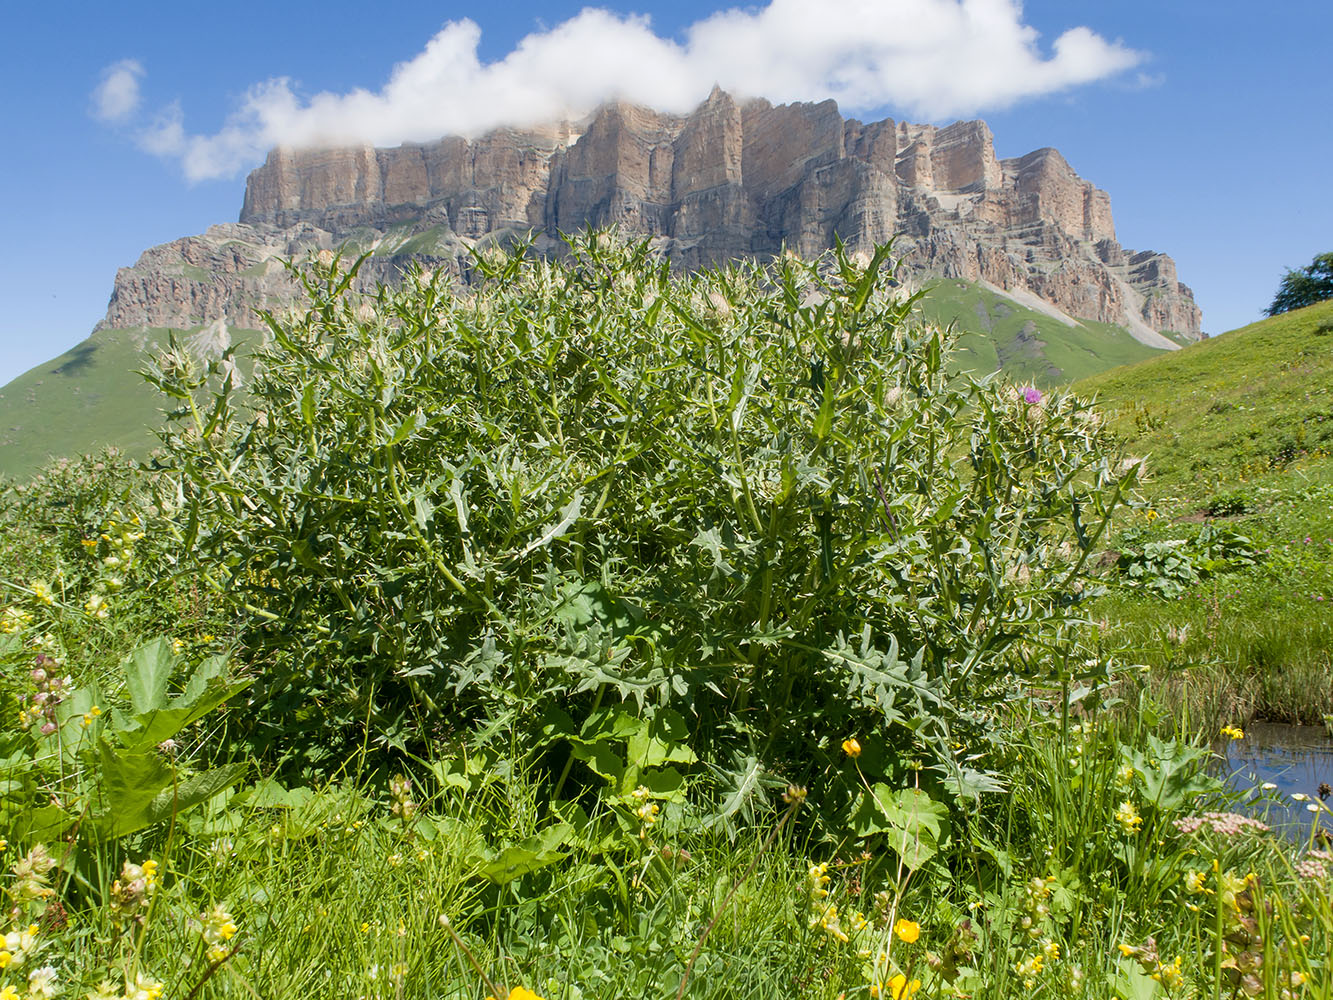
column 1029, row 345
column 86, row 399
column 1233, row 603
column 1249, row 401
column 90, row 397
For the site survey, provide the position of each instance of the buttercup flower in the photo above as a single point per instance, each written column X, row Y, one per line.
column 900, row 988
column 907, row 930
column 851, row 747
column 520, row 993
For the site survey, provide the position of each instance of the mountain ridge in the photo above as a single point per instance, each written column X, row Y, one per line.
column 728, row 180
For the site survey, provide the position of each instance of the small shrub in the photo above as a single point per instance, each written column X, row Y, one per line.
column 1167, row 567
column 753, row 508
column 1231, row 504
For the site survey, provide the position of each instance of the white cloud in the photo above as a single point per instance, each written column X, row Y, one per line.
column 933, row 59
column 116, row 97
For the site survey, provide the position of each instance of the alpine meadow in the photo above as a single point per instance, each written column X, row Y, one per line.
column 539, row 501
column 607, row 631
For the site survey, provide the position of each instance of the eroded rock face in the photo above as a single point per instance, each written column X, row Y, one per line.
column 725, row 181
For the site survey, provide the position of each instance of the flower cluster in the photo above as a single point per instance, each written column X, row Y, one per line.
column 132, row 893
column 1228, row 824
column 14, row 620
column 1127, row 815
column 48, row 691
column 31, row 877
column 1035, row 923
column 114, row 550
column 872, row 936
column 217, row 927
column 1167, row 973
column 28, row 892
column 401, row 803
column 646, row 810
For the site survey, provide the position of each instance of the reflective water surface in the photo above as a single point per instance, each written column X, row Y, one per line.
column 1295, row 759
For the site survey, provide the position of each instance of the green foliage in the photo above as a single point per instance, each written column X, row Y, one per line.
column 1227, row 408
column 1229, row 504
column 1305, row 286
column 757, row 498
column 74, row 768
column 1168, row 566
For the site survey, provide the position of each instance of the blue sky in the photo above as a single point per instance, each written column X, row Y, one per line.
column 1208, row 123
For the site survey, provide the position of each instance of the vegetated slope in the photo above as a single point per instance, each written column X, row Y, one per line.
column 91, row 396
column 1248, row 401
column 86, row 399
column 1043, row 347
column 1238, row 431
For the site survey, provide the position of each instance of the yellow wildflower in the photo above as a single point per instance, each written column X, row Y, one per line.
column 1029, row 969
column 145, row 988
column 851, row 747
column 520, row 993
column 900, row 988
column 819, row 880
column 8, row 993
column 1233, row 732
column 1196, row 882
column 1050, row 951
column 907, row 930
column 1128, row 817
column 1169, row 976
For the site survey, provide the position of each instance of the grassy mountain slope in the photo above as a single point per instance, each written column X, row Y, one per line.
column 1255, row 399
column 1030, row 346
column 90, row 396
column 1238, row 434
column 87, row 398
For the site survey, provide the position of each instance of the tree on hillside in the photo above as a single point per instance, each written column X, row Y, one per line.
column 1304, row 287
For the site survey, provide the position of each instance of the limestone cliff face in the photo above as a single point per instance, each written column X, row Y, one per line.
column 726, row 181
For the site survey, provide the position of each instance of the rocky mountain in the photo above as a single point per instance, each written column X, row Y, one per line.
column 728, row 180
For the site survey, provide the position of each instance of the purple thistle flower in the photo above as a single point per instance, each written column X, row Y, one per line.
column 1032, row 394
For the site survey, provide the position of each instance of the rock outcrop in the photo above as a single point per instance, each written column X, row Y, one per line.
column 728, row 180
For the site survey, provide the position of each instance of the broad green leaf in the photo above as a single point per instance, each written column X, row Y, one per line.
column 602, row 760
column 147, row 673
column 148, row 729
column 528, row 855
column 666, row 783
column 129, row 783
column 915, row 825
column 192, row 790
column 661, row 740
